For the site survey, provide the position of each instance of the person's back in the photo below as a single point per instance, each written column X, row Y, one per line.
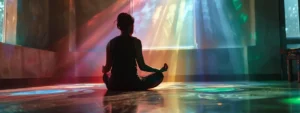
column 122, row 55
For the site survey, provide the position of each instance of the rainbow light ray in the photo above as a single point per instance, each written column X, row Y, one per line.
column 169, row 27
column 166, row 27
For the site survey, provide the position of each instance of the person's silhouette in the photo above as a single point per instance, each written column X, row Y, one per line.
column 122, row 54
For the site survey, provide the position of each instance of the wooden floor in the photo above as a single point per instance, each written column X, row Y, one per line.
column 196, row 97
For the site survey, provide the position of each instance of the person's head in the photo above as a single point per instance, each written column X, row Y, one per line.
column 125, row 23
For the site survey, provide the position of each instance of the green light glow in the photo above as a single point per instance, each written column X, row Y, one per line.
column 253, row 35
column 214, row 90
column 292, row 100
column 244, row 17
column 237, row 4
column 238, row 7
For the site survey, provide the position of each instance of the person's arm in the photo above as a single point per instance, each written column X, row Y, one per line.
column 108, row 64
column 140, row 58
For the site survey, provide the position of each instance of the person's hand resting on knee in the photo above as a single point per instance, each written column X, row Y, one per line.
column 164, row 68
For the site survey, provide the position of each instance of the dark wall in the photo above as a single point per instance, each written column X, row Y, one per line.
column 87, row 9
column 47, row 24
column 42, row 24
column 58, row 22
column 264, row 58
column 92, row 15
column 32, row 24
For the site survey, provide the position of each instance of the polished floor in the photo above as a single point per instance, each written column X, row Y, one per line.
column 210, row 97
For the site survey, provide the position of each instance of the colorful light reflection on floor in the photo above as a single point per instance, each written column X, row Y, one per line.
column 222, row 97
column 38, row 92
column 215, row 90
column 294, row 101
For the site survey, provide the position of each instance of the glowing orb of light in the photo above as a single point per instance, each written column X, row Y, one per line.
column 215, row 90
column 37, row 92
column 292, row 101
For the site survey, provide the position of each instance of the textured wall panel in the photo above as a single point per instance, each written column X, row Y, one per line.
column 22, row 62
column 11, row 61
column 31, row 63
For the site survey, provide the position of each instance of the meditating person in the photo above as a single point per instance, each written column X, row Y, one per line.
column 123, row 53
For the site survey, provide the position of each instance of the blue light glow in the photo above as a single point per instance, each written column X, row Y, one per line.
column 38, row 92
